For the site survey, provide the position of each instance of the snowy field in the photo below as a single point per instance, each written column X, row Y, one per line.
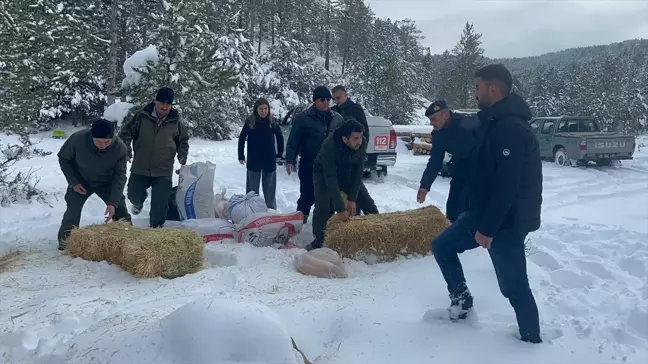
column 588, row 268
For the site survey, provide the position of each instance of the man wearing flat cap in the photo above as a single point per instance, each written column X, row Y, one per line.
column 93, row 161
column 157, row 136
column 307, row 133
column 454, row 135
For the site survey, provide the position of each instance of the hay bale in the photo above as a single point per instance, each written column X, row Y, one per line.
column 384, row 237
column 143, row 252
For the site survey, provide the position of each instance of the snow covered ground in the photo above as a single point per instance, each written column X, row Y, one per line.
column 588, row 269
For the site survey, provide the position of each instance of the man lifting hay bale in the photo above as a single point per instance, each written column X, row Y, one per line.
column 93, row 161
column 143, row 252
column 384, row 237
column 338, row 167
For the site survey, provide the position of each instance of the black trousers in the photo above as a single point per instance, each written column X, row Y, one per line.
column 457, row 202
column 306, row 189
column 161, row 188
column 509, row 261
column 74, row 206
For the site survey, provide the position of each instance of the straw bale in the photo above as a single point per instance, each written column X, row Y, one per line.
column 385, row 237
column 143, row 252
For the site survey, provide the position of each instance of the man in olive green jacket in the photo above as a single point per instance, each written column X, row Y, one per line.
column 93, row 161
column 338, row 168
column 157, row 136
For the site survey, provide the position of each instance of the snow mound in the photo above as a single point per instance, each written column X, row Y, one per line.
column 201, row 330
column 139, row 59
column 117, row 112
column 227, row 331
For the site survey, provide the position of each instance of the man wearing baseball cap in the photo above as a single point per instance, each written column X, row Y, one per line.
column 93, row 161
column 453, row 135
column 157, row 136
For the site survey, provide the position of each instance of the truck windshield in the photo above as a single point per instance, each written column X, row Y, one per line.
column 578, row 126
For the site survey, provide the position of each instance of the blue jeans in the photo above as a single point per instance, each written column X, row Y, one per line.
column 509, row 260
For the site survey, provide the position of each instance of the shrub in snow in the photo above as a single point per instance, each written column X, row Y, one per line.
column 118, row 112
column 226, row 331
column 19, row 186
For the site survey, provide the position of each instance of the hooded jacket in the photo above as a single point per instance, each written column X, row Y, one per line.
column 340, row 168
column 83, row 163
column 506, row 186
column 155, row 145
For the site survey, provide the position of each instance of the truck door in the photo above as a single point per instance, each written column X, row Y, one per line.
column 545, row 137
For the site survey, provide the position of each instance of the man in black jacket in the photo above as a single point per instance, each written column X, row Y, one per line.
column 351, row 110
column 337, row 168
column 454, row 135
column 307, row 133
column 505, row 201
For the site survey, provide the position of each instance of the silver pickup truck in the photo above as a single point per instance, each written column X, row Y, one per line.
column 381, row 150
column 578, row 140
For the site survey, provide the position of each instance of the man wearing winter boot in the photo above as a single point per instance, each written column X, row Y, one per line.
column 93, row 161
column 337, row 169
column 307, row 133
column 157, row 135
column 504, row 203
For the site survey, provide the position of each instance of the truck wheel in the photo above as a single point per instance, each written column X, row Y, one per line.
column 561, row 158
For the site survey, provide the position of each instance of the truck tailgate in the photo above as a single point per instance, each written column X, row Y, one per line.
column 610, row 145
column 379, row 139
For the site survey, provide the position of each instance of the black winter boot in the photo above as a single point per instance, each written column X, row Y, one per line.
column 460, row 305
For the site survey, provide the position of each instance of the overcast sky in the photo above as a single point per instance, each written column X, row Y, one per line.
column 519, row 28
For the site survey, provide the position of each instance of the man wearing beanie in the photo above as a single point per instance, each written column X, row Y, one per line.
column 157, row 136
column 307, row 133
column 93, row 161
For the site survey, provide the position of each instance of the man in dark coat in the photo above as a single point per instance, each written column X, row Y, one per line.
column 452, row 135
column 157, row 135
column 505, row 202
column 93, row 161
column 351, row 110
column 307, row 133
column 338, row 168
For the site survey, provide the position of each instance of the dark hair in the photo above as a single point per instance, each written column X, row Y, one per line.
column 338, row 88
column 351, row 125
column 251, row 120
column 498, row 73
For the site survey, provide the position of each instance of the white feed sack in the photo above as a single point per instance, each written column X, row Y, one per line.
column 270, row 229
column 221, row 205
column 195, row 195
column 322, row 263
column 242, row 206
column 211, row 229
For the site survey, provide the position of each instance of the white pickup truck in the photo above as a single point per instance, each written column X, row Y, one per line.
column 381, row 151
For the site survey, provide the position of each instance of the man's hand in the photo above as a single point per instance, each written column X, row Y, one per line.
column 182, row 161
column 242, row 161
column 110, row 212
column 290, row 168
column 421, row 195
column 342, row 216
column 79, row 189
column 351, row 208
column 483, row 240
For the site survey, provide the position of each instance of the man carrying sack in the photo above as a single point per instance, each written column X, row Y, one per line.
column 338, row 167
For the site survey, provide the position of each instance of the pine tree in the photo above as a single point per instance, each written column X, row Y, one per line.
column 467, row 59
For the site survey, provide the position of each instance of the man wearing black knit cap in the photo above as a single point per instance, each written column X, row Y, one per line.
column 93, row 161
column 307, row 133
column 157, row 135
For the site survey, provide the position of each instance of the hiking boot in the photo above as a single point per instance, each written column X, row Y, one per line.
column 460, row 306
column 135, row 210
